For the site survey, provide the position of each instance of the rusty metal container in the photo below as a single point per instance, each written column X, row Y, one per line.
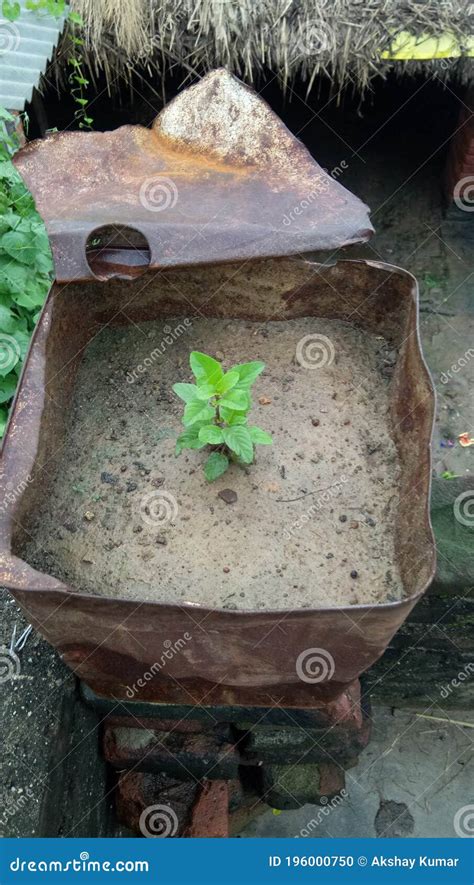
column 228, row 174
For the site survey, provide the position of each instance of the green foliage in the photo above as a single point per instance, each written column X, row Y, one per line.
column 216, row 413
column 26, row 267
column 11, row 10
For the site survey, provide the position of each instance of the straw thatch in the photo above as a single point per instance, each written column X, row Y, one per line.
column 286, row 38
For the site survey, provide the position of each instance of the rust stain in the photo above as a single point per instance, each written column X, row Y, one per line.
column 217, row 161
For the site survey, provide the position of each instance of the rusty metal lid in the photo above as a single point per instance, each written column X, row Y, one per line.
column 217, row 178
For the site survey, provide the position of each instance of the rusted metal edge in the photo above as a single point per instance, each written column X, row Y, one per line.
column 217, row 178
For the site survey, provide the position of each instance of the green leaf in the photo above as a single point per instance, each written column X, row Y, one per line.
column 3, row 420
column 198, row 411
column 239, row 440
column 7, row 387
column 10, row 11
column 235, row 399
column 231, row 416
column 75, row 18
column 215, row 466
column 6, row 115
column 19, row 245
column 189, row 439
column 8, row 322
column 23, row 340
column 186, row 392
column 211, row 434
column 260, row 437
column 205, row 368
column 249, row 372
column 205, row 390
column 227, row 381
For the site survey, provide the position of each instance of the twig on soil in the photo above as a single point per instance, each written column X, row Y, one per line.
column 314, row 492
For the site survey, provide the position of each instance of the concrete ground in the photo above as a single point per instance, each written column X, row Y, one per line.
column 416, row 773
column 411, row 780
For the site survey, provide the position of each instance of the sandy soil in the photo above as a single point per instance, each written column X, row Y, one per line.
column 313, row 521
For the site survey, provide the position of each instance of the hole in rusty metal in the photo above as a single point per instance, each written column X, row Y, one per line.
column 116, row 250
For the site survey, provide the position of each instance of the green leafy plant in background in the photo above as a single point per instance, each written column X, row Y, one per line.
column 216, row 413
column 26, row 266
column 11, row 10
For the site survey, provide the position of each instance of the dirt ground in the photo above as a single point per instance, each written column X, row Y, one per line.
column 125, row 517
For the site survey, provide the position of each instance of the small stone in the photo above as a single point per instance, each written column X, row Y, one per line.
column 354, row 524
column 87, row 559
column 300, row 455
column 329, row 555
column 354, row 574
column 109, row 478
column 272, row 487
column 89, row 515
column 370, row 521
column 347, row 421
column 226, row 569
column 131, row 486
column 343, row 517
column 161, row 539
column 315, row 422
column 228, row 495
column 264, row 400
column 158, row 481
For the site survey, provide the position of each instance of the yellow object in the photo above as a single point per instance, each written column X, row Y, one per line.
column 406, row 46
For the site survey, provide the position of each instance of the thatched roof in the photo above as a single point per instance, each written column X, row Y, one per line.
column 344, row 39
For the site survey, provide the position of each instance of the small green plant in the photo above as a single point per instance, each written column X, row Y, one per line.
column 216, row 413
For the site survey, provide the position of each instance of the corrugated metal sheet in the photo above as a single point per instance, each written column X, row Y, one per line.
column 26, row 46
